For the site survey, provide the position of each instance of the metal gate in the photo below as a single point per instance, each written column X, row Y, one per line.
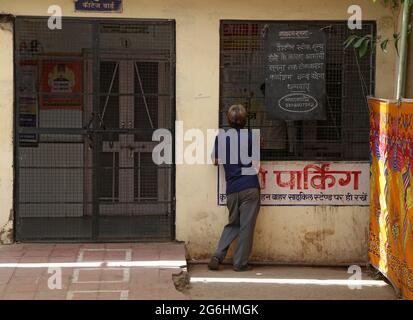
column 88, row 98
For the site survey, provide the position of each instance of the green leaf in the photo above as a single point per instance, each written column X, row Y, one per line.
column 359, row 42
column 396, row 37
column 350, row 40
column 363, row 48
column 373, row 46
column 384, row 44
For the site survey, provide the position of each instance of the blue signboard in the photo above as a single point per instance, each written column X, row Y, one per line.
column 98, row 5
column 28, row 120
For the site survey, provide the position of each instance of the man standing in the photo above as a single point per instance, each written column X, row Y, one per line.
column 243, row 190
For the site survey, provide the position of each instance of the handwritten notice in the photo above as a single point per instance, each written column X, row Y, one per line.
column 295, row 74
column 310, row 184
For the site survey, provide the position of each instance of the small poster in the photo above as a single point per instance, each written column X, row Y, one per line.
column 61, row 85
column 27, row 101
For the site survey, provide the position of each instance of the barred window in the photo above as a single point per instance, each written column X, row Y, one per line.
column 344, row 135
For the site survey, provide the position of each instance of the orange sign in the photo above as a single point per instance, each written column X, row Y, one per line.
column 61, row 85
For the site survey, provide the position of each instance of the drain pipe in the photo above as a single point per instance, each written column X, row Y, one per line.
column 401, row 75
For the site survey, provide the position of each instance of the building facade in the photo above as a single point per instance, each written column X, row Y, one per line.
column 79, row 105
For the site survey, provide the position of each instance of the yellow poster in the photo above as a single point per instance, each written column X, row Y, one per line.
column 391, row 192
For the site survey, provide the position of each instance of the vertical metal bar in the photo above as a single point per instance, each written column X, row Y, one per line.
column 16, row 159
column 96, row 140
column 370, row 80
column 250, row 70
column 139, row 176
column 143, row 94
column 401, row 74
column 344, row 135
column 113, row 174
column 172, row 92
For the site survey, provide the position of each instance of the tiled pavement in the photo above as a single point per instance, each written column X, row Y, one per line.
column 90, row 271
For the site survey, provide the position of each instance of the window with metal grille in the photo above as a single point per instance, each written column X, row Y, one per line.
column 344, row 135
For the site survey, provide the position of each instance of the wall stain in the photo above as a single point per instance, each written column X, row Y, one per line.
column 6, row 21
column 6, row 234
column 316, row 238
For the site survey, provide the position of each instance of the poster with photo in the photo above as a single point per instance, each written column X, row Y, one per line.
column 61, row 84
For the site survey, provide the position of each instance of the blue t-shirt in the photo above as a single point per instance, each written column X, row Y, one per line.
column 236, row 180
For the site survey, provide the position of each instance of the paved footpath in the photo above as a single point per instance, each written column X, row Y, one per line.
column 287, row 283
column 91, row 271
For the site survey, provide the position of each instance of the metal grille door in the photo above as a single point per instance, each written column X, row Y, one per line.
column 88, row 98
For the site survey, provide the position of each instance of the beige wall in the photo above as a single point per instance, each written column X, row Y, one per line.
column 6, row 132
column 320, row 235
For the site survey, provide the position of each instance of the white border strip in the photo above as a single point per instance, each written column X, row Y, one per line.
column 337, row 282
column 124, row 294
column 126, row 275
column 128, row 253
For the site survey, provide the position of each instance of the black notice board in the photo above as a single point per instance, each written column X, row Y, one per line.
column 295, row 66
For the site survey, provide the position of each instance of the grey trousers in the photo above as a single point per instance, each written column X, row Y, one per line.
column 243, row 211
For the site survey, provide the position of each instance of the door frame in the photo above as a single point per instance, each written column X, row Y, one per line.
column 95, row 22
